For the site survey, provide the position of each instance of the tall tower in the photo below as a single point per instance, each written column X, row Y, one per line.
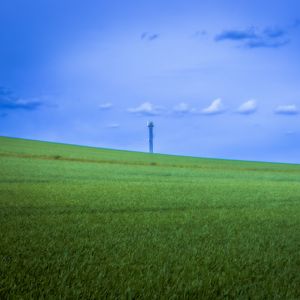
column 150, row 126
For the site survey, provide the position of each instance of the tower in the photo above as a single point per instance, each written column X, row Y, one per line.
column 150, row 126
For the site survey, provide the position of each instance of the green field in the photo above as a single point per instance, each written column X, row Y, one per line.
column 88, row 223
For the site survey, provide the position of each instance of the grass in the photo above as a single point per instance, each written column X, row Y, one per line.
column 79, row 222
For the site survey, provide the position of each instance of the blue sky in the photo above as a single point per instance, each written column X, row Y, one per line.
column 218, row 78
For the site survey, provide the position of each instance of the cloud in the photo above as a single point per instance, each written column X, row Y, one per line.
column 147, row 109
column 216, row 107
column 149, row 36
column 200, row 33
column 183, row 108
column 113, row 125
column 296, row 23
column 19, row 104
column 10, row 102
column 290, row 109
column 105, row 106
column 274, row 32
column 290, row 132
column 265, row 44
column 254, row 38
column 236, row 35
column 248, row 107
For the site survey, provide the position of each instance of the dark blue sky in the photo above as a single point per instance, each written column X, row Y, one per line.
column 218, row 78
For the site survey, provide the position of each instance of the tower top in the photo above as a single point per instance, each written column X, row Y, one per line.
column 150, row 124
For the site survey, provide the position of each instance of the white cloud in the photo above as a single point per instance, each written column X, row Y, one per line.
column 146, row 108
column 106, row 105
column 248, row 107
column 290, row 132
column 290, row 109
column 183, row 108
column 215, row 107
column 113, row 125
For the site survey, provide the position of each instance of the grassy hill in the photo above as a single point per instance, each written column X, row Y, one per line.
column 79, row 222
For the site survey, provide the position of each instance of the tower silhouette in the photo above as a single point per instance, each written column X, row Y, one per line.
column 150, row 126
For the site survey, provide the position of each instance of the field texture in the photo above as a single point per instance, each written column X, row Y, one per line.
column 78, row 222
